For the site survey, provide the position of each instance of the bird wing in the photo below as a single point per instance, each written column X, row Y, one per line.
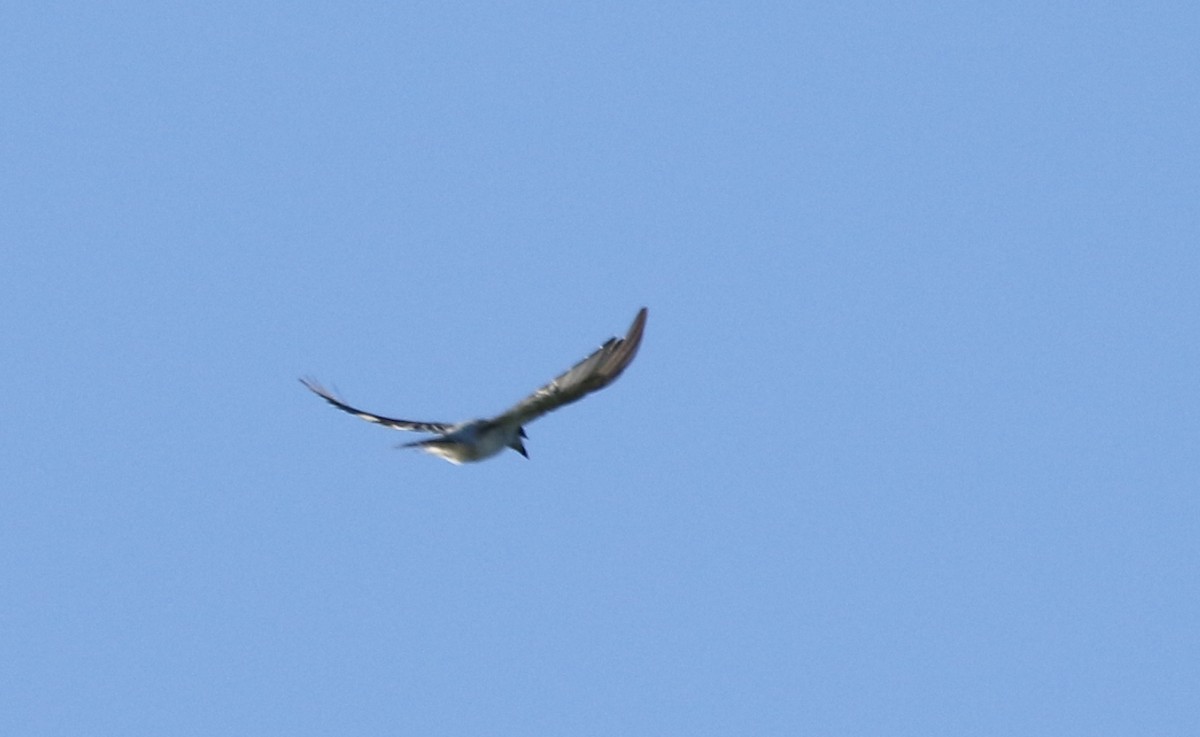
column 591, row 374
column 433, row 427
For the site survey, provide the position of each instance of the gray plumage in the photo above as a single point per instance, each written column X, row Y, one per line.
column 475, row 440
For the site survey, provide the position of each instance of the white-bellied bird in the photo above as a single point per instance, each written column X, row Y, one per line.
column 475, row 440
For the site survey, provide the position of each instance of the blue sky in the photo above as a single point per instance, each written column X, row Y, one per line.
column 909, row 448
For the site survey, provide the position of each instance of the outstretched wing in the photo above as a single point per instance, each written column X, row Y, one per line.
column 591, row 374
column 433, row 427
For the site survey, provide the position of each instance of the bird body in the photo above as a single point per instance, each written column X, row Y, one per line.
column 479, row 439
column 473, row 441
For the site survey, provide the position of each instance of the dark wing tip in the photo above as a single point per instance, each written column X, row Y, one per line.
column 634, row 337
column 622, row 352
column 315, row 387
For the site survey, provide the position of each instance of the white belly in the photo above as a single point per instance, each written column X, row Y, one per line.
column 468, row 445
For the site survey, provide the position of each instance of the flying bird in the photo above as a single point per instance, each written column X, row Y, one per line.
column 476, row 440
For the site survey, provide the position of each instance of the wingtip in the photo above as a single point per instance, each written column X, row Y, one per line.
column 634, row 336
column 329, row 394
column 626, row 348
column 313, row 385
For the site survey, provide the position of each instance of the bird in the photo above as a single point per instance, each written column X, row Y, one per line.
column 481, row 438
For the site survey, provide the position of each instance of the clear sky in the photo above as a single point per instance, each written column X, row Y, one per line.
column 910, row 447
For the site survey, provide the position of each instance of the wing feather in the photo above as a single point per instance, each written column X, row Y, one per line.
column 591, row 374
column 431, row 427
